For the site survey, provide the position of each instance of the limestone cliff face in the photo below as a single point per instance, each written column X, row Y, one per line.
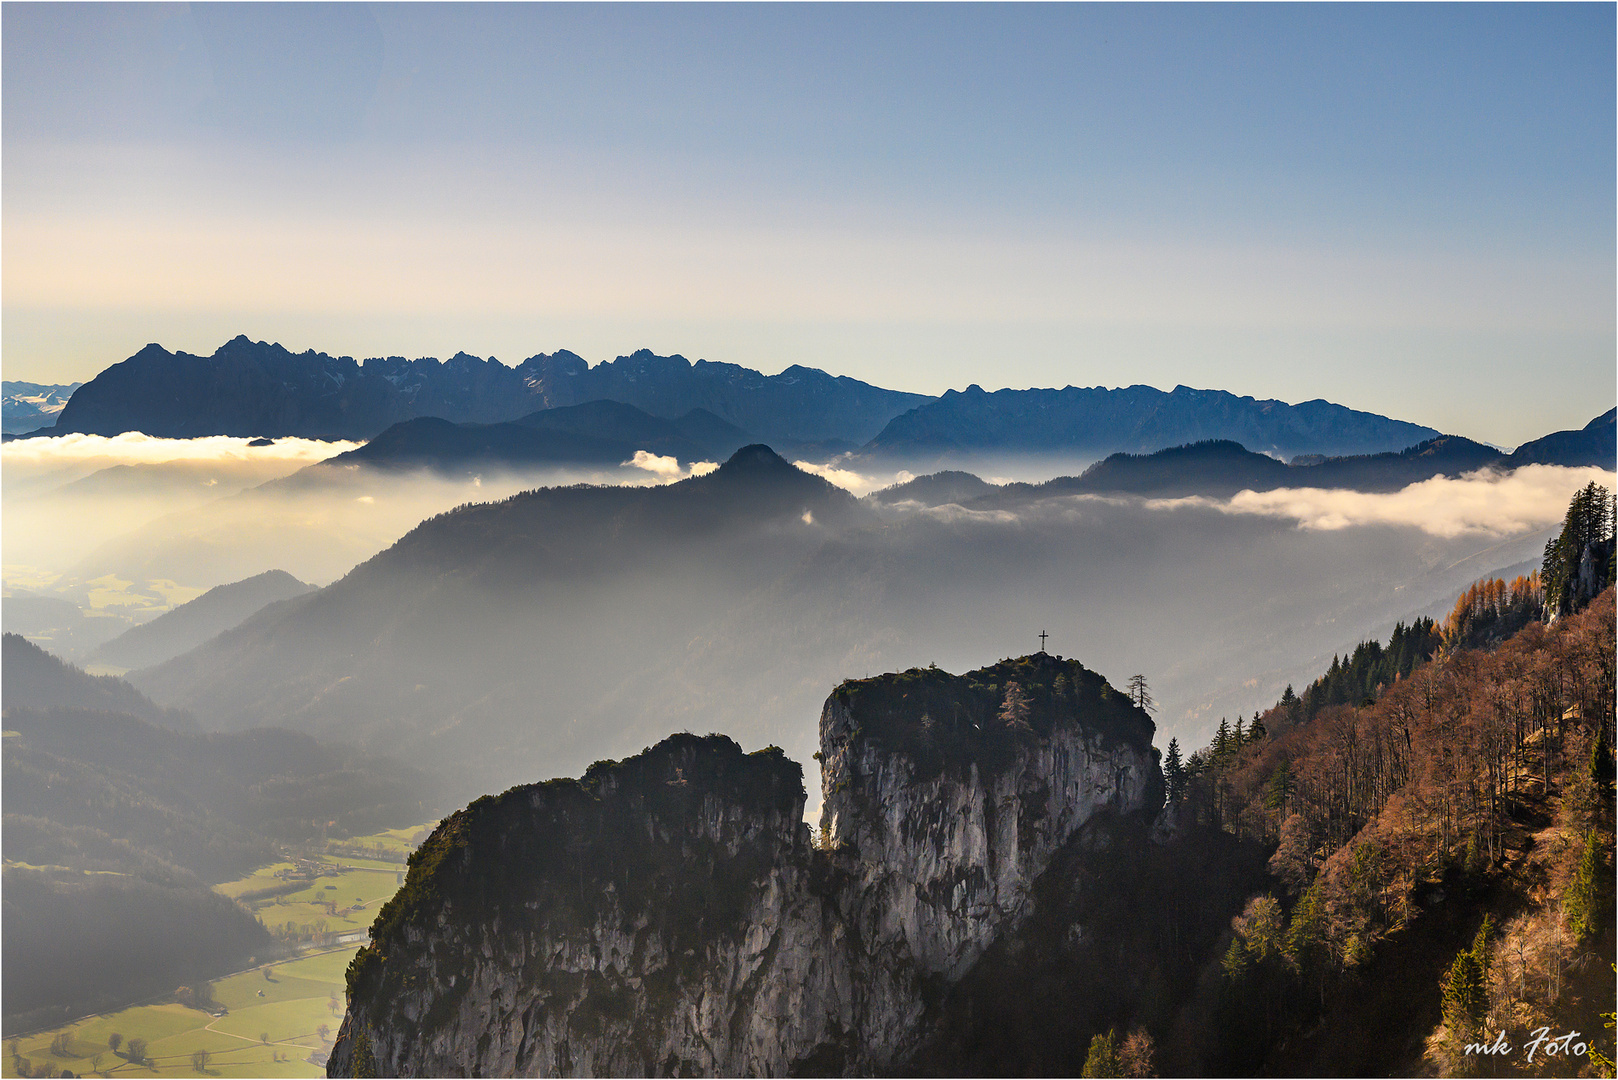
column 669, row 915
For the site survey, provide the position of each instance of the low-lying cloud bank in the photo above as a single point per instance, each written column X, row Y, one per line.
column 1484, row 502
column 133, row 448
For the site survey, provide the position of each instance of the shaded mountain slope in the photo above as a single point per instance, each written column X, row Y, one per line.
column 1594, row 444
column 1135, row 419
column 189, row 625
column 114, row 825
column 597, row 433
column 440, row 643
column 212, row 804
column 532, row 636
column 35, row 679
column 937, row 489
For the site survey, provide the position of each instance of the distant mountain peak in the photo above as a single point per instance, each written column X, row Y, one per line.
column 756, row 456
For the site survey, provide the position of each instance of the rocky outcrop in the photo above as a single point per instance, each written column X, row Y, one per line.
column 669, row 914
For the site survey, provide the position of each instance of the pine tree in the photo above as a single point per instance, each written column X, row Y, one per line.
column 1102, row 1060
column 1138, row 1056
column 1585, row 900
column 1278, row 789
column 1465, row 1000
column 1586, row 533
column 1481, row 949
column 1291, row 707
column 1601, row 761
column 1174, row 772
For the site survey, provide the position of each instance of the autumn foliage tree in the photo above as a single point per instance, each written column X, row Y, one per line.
column 1407, row 763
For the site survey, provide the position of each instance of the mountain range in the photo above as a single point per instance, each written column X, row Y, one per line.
column 253, row 389
column 1219, row 468
column 249, row 388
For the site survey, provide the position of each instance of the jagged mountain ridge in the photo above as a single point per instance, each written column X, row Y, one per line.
column 249, row 388
column 667, row 915
column 255, row 388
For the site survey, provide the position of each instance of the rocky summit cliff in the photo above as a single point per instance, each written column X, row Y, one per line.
column 670, row 914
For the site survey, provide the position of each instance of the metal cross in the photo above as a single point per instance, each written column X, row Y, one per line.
column 1042, row 636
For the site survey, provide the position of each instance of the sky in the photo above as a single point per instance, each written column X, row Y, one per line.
column 1402, row 208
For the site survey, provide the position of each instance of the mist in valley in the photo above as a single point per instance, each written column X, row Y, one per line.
column 101, row 534
column 520, row 638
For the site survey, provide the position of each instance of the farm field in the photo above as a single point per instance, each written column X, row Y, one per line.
column 280, row 1018
column 276, row 1034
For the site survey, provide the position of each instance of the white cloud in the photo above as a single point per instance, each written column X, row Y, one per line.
column 1534, row 496
column 666, row 467
column 703, row 468
column 134, row 448
column 846, row 479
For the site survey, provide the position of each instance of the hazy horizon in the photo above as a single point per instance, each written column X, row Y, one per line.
column 1403, row 210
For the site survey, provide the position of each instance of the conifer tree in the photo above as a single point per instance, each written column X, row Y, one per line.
column 1586, row 534
column 1584, row 903
column 1601, row 760
column 1291, row 707
column 1174, row 772
column 1102, row 1060
column 1465, row 999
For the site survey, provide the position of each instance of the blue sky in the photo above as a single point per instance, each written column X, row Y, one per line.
column 1408, row 209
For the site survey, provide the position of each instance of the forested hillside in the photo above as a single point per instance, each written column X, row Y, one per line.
column 1440, row 816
